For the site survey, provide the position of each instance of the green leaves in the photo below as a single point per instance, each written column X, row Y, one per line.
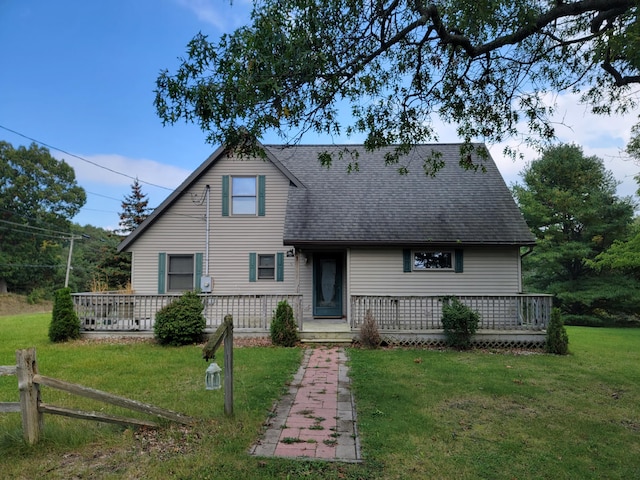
column 38, row 197
column 383, row 71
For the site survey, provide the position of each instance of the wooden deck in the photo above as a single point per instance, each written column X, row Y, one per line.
column 516, row 320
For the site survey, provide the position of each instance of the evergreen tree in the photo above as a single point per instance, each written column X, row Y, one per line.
column 134, row 209
column 569, row 201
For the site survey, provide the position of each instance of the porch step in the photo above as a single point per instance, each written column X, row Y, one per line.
column 326, row 331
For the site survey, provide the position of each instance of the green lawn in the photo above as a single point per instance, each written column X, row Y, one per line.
column 421, row 413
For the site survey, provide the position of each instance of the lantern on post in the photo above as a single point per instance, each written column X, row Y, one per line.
column 212, row 377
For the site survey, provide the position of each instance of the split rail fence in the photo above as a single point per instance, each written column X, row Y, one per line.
column 32, row 408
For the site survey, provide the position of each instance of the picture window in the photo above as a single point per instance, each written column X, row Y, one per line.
column 433, row 260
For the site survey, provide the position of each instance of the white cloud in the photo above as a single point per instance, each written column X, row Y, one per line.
column 221, row 14
column 602, row 136
column 117, row 170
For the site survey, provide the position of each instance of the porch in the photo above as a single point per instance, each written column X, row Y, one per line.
column 505, row 320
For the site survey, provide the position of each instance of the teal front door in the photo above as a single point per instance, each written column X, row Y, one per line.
column 327, row 285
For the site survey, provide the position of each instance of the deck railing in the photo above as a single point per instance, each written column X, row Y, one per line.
column 133, row 312
column 129, row 312
column 502, row 312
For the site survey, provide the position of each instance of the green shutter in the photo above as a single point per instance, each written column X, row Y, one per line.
column 261, row 195
column 198, row 273
column 162, row 272
column 459, row 261
column 225, row 195
column 252, row 267
column 406, row 260
column 280, row 263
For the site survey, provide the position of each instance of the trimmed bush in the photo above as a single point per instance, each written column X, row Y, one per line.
column 181, row 322
column 284, row 331
column 557, row 338
column 459, row 322
column 369, row 334
column 65, row 324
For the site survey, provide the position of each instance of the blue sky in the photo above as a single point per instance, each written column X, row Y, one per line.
column 79, row 76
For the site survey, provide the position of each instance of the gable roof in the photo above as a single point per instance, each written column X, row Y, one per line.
column 184, row 186
column 378, row 206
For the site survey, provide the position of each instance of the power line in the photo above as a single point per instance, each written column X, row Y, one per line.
column 104, row 196
column 51, row 147
column 22, row 225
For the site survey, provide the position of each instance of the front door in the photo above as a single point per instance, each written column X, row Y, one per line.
column 327, row 285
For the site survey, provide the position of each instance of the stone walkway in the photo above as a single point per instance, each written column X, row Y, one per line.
column 316, row 419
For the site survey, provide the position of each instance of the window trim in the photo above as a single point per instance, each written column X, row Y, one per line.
column 254, row 267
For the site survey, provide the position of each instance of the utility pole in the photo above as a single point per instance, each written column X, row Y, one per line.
column 71, row 238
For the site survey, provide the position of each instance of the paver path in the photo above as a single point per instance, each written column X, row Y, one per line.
column 316, row 419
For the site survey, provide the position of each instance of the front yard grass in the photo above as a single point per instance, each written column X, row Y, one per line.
column 421, row 413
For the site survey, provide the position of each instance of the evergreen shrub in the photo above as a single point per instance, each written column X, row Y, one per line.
column 65, row 324
column 557, row 338
column 369, row 334
column 459, row 322
column 284, row 330
column 181, row 322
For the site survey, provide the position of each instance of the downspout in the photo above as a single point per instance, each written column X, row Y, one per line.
column 206, row 236
column 522, row 255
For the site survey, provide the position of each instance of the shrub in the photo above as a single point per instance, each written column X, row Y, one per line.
column 65, row 324
column 459, row 322
column 557, row 338
column 369, row 334
column 284, row 331
column 181, row 322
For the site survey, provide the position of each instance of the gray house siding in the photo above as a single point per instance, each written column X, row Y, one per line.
column 181, row 230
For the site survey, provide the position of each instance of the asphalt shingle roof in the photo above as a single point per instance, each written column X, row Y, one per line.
column 378, row 206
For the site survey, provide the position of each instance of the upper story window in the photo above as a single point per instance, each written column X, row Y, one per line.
column 437, row 259
column 243, row 195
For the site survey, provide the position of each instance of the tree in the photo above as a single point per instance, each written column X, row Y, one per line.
column 569, row 202
column 483, row 65
column 65, row 324
column 622, row 255
column 134, row 209
column 38, row 197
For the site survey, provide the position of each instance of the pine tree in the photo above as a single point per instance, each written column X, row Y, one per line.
column 134, row 209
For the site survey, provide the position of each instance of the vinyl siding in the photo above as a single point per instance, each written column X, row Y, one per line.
column 181, row 230
column 487, row 271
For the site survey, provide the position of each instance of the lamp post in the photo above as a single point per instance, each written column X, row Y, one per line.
column 71, row 238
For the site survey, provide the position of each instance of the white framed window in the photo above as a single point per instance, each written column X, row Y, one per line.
column 180, row 273
column 243, row 195
column 266, row 267
column 432, row 260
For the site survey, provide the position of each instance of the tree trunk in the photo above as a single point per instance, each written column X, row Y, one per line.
column 3, row 285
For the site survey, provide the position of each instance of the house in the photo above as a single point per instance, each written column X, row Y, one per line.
column 336, row 241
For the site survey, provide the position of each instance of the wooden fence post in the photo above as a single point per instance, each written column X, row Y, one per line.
column 26, row 368
column 228, row 366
